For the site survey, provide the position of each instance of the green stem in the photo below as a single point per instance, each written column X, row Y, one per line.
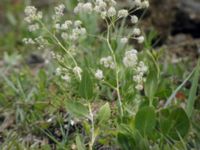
column 92, row 129
column 58, row 42
column 116, row 70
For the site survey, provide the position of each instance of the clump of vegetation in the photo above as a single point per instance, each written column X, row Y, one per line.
column 104, row 93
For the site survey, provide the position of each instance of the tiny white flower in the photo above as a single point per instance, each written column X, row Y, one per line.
column 82, row 31
column 58, row 71
column 107, row 62
column 130, row 59
column 139, row 87
column 101, row 4
column 124, row 40
column 57, row 26
column 137, row 3
column 138, row 78
column 64, row 35
column 140, row 39
column 77, row 71
column 99, row 74
column 111, row 12
column 28, row 41
column 136, row 32
column 122, row 13
column 103, row 14
column 145, row 4
column 77, row 23
column 87, row 7
column 142, row 68
column 66, row 24
column 32, row 14
column 59, row 10
column 113, row 2
column 72, row 122
column 78, row 8
column 66, row 77
column 33, row 27
column 134, row 19
column 30, row 10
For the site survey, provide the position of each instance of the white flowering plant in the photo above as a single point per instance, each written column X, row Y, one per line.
column 102, row 66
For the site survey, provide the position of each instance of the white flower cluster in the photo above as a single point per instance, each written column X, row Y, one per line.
column 39, row 41
column 139, row 79
column 32, row 15
column 107, row 62
column 134, row 19
column 141, row 4
column 59, row 12
column 124, row 40
column 137, row 35
column 123, row 13
column 71, row 30
column 63, row 73
column 99, row 74
column 33, row 27
column 28, row 41
column 77, row 71
column 106, row 8
column 83, row 7
column 130, row 60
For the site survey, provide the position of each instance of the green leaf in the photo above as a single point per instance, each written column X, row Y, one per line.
column 174, row 123
column 79, row 143
column 151, row 85
column 77, row 109
column 145, row 120
column 104, row 114
column 152, row 81
column 124, row 141
column 86, row 86
column 193, row 91
column 132, row 140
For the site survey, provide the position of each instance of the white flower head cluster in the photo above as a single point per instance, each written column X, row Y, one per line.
column 105, row 8
column 63, row 73
column 107, row 62
column 32, row 14
column 99, row 74
column 83, row 7
column 124, row 40
column 134, row 19
column 40, row 42
column 138, row 78
column 33, row 27
column 130, row 59
column 57, row 57
column 141, row 4
column 59, row 12
column 136, row 31
column 137, row 35
column 123, row 13
column 77, row 71
column 28, row 41
column 71, row 30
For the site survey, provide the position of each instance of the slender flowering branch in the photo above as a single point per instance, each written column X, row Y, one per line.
column 116, row 69
column 58, row 42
